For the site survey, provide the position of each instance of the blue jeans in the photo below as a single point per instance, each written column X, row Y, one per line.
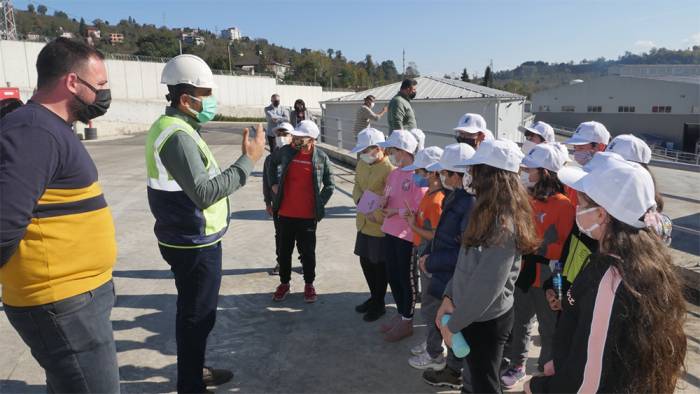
column 72, row 340
column 198, row 279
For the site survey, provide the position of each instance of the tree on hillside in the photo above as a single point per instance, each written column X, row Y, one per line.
column 465, row 76
column 412, row 70
column 157, row 45
column 82, row 29
column 330, row 52
column 31, row 9
column 60, row 14
column 41, row 9
column 488, row 77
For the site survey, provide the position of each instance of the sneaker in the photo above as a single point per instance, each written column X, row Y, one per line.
column 424, row 361
column 373, row 314
column 402, row 329
column 446, row 377
column 216, row 377
column 388, row 325
column 364, row 307
column 310, row 293
column 513, row 376
column 276, row 270
column 419, row 348
column 281, row 293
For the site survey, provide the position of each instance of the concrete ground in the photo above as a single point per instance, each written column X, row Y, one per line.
column 272, row 347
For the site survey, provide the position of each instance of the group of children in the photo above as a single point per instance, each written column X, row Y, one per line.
column 498, row 234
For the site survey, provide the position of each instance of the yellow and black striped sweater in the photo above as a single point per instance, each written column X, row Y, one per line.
column 57, row 236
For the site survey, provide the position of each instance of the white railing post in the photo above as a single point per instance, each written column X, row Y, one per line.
column 340, row 133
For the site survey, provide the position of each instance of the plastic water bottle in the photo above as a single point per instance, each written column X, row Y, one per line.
column 460, row 347
column 557, row 279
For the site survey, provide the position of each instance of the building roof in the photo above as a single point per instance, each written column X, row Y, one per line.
column 432, row 88
column 691, row 79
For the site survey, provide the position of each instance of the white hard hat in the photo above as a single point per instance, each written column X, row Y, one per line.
column 188, row 69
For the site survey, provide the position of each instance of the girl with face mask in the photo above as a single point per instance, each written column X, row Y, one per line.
column 621, row 328
column 299, row 113
column 370, row 177
column 553, row 216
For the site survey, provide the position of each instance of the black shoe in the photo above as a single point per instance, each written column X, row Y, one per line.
column 373, row 314
column 446, row 377
column 216, row 377
column 364, row 307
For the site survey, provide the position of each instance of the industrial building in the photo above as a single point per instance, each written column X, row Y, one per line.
column 438, row 106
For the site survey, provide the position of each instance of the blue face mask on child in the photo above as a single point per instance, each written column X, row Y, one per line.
column 420, row 180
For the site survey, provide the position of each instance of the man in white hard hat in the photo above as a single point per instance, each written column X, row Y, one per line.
column 188, row 196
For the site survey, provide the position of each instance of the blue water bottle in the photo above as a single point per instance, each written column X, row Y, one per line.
column 557, row 279
column 460, row 347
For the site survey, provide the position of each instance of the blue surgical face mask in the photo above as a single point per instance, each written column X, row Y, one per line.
column 208, row 111
column 420, row 180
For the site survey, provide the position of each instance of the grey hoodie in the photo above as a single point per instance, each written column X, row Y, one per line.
column 483, row 282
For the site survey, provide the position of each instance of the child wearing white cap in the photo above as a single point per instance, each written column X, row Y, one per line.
column 401, row 193
column 479, row 297
column 301, row 180
column 370, row 176
column 621, row 329
column 553, row 216
column 471, row 130
column 538, row 133
column 588, row 139
column 438, row 262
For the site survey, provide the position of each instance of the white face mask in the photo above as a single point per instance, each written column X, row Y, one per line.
column 394, row 160
column 443, row 179
column 525, row 180
column 587, row 231
column 466, row 179
column 368, row 158
column 371, row 105
column 582, row 157
column 528, row 146
column 282, row 141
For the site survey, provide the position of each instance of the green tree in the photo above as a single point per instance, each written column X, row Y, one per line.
column 465, row 76
column 412, row 70
column 488, row 77
column 82, row 29
column 158, row 45
column 60, row 14
column 31, row 9
column 41, row 9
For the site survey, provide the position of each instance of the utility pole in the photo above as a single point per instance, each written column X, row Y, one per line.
column 179, row 41
column 228, row 49
column 403, row 64
column 8, row 29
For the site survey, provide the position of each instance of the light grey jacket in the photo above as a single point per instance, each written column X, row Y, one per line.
column 274, row 117
column 483, row 282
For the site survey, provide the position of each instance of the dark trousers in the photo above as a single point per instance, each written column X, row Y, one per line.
column 197, row 278
column 486, row 340
column 272, row 142
column 72, row 340
column 275, row 220
column 375, row 275
column 301, row 232
column 400, row 273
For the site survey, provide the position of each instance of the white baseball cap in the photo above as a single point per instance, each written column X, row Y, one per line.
column 623, row 188
column 472, row 124
column 630, row 148
column 401, row 139
column 542, row 129
column 306, row 128
column 366, row 138
column 503, row 154
column 425, row 158
column 549, row 155
column 284, row 126
column 420, row 137
column 588, row 132
column 452, row 157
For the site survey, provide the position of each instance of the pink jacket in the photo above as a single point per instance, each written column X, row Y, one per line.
column 400, row 189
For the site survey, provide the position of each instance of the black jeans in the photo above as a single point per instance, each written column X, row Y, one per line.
column 301, row 232
column 400, row 273
column 197, row 278
column 486, row 340
column 72, row 340
column 375, row 274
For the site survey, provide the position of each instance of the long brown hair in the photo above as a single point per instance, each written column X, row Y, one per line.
column 547, row 185
column 501, row 202
column 657, row 195
column 654, row 359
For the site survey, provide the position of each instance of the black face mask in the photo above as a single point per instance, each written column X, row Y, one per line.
column 469, row 141
column 276, row 103
column 87, row 111
column 412, row 95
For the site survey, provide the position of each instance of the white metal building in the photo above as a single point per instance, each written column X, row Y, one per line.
column 438, row 105
column 663, row 109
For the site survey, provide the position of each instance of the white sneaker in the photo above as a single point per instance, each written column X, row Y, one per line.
column 419, row 348
column 424, row 361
